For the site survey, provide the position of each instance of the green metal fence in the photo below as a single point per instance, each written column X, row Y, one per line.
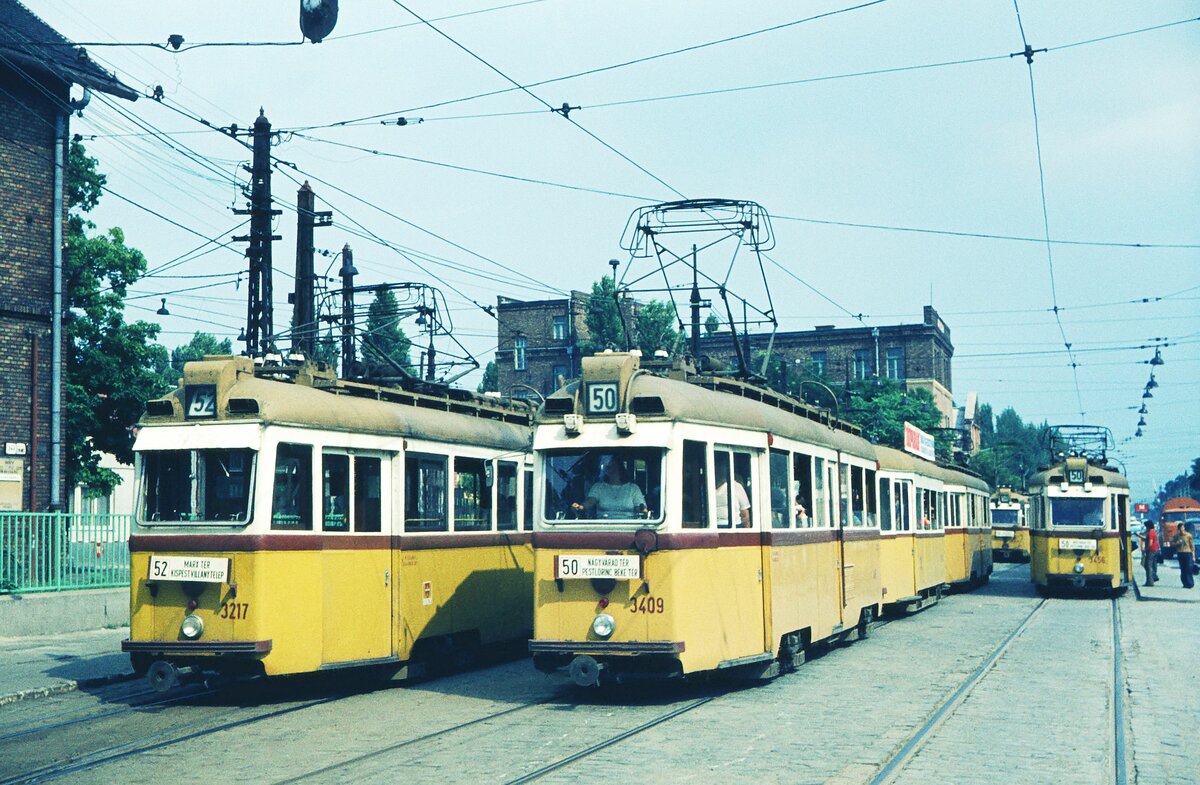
column 57, row 551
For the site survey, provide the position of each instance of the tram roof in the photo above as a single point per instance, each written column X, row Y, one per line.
column 344, row 407
column 897, row 460
column 1056, row 474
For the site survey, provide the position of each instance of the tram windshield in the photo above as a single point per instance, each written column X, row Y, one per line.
column 604, row 484
column 1066, row 511
column 189, row 486
column 1004, row 517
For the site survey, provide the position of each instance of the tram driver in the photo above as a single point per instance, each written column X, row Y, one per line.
column 614, row 496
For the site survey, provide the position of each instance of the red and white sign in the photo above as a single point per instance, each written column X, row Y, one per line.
column 918, row 442
column 1141, row 507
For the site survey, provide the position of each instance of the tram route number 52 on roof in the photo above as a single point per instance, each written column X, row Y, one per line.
column 602, row 397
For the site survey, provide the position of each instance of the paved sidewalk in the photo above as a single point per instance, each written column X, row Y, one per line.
column 44, row 665
column 1168, row 587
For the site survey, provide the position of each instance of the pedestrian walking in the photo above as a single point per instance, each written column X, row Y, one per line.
column 1185, row 547
column 1150, row 550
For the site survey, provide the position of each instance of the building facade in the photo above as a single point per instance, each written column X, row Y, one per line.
column 539, row 346
column 37, row 69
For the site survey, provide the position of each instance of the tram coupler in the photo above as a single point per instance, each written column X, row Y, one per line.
column 163, row 675
column 585, row 671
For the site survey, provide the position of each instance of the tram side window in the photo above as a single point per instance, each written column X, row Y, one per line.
column 885, row 505
column 424, row 493
column 903, row 511
column 780, row 503
column 819, row 506
column 291, row 501
column 857, row 513
column 844, row 485
column 695, row 485
column 733, row 489
column 335, row 492
column 472, row 496
column 527, row 513
column 368, row 494
column 802, row 491
column 506, row 496
column 869, row 491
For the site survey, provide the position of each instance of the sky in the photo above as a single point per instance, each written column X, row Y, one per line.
column 893, row 143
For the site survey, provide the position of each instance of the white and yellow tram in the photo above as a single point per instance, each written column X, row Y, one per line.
column 968, row 534
column 912, row 551
column 696, row 525
column 288, row 522
column 1079, row 527
column 1010, row 526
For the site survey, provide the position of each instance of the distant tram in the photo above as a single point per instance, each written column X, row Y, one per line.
column 1079, row 518
column 288, row 522
column 693, row 524
column 1010, row 526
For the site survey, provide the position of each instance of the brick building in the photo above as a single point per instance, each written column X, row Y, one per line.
column 539, row 343
column 37, row 70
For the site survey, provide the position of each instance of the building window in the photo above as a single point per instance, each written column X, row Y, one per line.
column 818, row 363
column 519, row 353
column 560, row 376
column 560, row 328
column 895, row 362
column 861, row 359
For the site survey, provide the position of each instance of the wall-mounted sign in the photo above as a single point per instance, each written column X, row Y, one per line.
column 14, row 448
column 918, row 442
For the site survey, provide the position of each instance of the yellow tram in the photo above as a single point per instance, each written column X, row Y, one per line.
column 968, row 534
column 289, row 522
column 1010, row 526
column 1079, row 526
column 912, row 550
column 688, row 525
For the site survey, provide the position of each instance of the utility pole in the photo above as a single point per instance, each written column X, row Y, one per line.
column 260, row 319
column 695, row 300
column 304, row 304
column 348, row 272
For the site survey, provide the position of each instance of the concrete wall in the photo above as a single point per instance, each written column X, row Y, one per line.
column 57, row 612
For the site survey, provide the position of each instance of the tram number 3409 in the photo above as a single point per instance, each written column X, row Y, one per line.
column 646, row 604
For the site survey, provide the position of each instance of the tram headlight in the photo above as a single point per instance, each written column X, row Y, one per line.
column 1078, row 568
column 603, row 625
column 192, row 627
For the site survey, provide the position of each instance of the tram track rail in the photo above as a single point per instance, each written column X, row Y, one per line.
column 1120, row 756
column 148, row 743
column 26, row 729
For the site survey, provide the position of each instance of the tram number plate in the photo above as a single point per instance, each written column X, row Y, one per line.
column 611, row 566
column 1076, row 545
column 188, row 568
column 1004, row 535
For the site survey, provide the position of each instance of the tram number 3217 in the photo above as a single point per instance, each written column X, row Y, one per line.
column 646, row 604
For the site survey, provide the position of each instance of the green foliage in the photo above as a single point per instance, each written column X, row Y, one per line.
column 882, row 408
column 384, row 340
column 1010, row 450
column 111, row 368
column 656, row 328
column 712, row 324
column 491, row 379
column 602, row 319
column 201, row 344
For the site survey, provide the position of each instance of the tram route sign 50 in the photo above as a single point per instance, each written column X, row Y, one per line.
column 603, row 397
column 595, row 566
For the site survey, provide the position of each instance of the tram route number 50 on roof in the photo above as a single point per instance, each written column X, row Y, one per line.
column 603, row 397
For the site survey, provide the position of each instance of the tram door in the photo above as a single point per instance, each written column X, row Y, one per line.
column 356, row 557
column 741, row 502
column 1121, row 513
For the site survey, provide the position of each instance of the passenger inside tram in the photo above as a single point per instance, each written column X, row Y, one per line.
column 614, row 496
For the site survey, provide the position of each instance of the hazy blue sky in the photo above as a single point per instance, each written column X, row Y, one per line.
column 948, row 148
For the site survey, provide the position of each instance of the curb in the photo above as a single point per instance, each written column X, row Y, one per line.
column 64, row 687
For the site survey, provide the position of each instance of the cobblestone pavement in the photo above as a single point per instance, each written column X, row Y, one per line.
column 1040, row 714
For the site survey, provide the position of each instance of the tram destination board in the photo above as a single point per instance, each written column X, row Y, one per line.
column 1004, row 535
column 189, row 568
column 607, row 566
column 1076, row 545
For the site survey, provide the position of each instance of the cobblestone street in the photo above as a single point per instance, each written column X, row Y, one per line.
column 889, row 709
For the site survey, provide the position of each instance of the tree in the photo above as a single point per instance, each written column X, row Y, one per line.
column 111, row 368
column 602, row 319
column 1010, row 450
column 712, row 324
column 491, row 379
column 201, row 344
column 656, row 328
column 881, row 407
column 384, row 340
